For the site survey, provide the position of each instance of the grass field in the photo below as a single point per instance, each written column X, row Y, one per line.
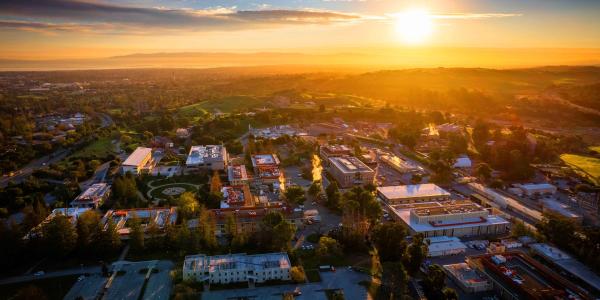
column 595, row 148
column 99, row 148
column 585, row 165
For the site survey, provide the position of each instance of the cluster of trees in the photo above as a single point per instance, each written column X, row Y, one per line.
column 295, row 194
column 580, row 241
column 125, row 191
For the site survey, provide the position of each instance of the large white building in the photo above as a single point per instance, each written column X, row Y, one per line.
column 349, row 171
column 139, row 161
column 403, row 194
column 93, row 197
column 399, row 164
column 209, row 157
column 232, row 268
column 452, row 218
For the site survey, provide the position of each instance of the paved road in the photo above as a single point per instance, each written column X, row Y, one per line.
column 26, row 171
column 344, row 279
column 74, row 271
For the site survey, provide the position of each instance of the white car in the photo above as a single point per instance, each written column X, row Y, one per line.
column 39, row 273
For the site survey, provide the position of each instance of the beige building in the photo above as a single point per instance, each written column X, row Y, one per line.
column 139, row 161
column 234, row 268
column 349, row 171
column 403, row 194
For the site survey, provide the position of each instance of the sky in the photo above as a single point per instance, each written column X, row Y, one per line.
column 77, row 29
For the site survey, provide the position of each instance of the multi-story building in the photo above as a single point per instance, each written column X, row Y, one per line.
column 139, row 161
column 71, row 213
column 349, row 171
column 248, row 219
column 327, row 151
column 235, row 268
column 209, row 157
column 121, row 218
column 93, row 197
column 452, row 218
column 403, row 194
column 266, row 168
column 237, row 175
column 236, row 196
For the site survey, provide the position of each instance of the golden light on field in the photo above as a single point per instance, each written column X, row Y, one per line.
column 414, row 26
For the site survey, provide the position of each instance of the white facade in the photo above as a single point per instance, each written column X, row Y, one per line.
column 209, row 157
column 232, row 268
column 138, row 161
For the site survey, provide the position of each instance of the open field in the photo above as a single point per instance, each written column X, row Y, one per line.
column 586, row 165
column 99, row 148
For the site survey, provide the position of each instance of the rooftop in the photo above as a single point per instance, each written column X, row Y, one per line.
column 412, row 191
column 138, row 156
column 97, row 190
column 466, row 275
column 205, row 154
column 237, row 173
column 239, row 261
column 349, row 164
column 437, row 209
column 236, row 196
column 265, row 160
column 160, row 216
column 537, row 186
column 336, row 149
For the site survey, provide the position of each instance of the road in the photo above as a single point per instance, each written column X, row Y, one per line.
column 61, row 273
column 26, row 171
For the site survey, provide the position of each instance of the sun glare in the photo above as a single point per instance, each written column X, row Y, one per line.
column 414, row 26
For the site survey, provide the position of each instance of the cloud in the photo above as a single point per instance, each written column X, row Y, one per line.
column 88, row 13
column 475, row 15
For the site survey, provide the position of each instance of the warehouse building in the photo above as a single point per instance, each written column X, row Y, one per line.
column 460, row 218
column 404, row 194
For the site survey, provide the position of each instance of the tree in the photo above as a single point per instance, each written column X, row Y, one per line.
column 434, row 282
column 295, row 194
column 136, row 234
column 107, row 241
column 187, row 205
column 484, row 171
column 87, row 226
column 275, row 232
column 394, row 277
column 449, row 294
column 416, row 253
column 328, row 249
column 389, row 239
column 60, row 236
column 215, row 182
column 297, row 274
column 314, row 188
column 334, row 196
column 416, row 178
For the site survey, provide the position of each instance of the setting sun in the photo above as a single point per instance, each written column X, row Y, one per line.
column 414, row 26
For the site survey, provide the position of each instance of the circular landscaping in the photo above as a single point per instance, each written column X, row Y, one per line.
column 171, row 189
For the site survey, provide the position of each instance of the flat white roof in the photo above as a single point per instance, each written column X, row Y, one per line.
column 446, row 246
column 239, row 261
column 265, row 159
column 404, row 214
column 537, row 186
column 349, row 164
column 204, row 154
column 137, row 157
column 412, row 191
column 560, row 208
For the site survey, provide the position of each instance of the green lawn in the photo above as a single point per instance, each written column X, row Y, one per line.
column 157, row 193
column 99, row 148
column 225, row 105
column 585, row 165
column 595, row 148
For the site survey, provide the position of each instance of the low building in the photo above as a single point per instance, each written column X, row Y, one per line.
column 162, row 217
column 208, row 157
column 248, row 219
column 515, row 275
column 236, row 196
column 560, row 260
column 266, row 168
column 468, row 279
column 93, row 197
column 399, row 164
column 550, row 205
column 139, row 161
column 444, row 245
column 463, row 162
column 349, row 171
column 237, row 175
column 327, row 151
column 460, row 218
column 72, row 213
column 531, row 189
column 236, row 268
column 404, row 194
